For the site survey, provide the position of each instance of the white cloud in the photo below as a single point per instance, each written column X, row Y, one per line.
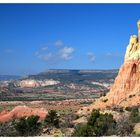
column 47, row 57
column 54, row 55
column 91, row 56
column 44, row 48
column 66, row 53
column 58, row 43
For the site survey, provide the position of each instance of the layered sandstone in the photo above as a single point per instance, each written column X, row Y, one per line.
column 21, row 111
column 29, row 83
column 126, row 89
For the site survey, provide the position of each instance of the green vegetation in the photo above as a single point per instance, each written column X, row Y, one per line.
column 7, row 130
column 117, row 108
column 1, row 108
column 87, row 102
column 105, row 100
column 25, row 126
column 124, row 127
column 98, row 125
column 131, row 108
column 130, row 96
column 134, row 115
column 83, row 130
column 52, row 119
column 28, row 126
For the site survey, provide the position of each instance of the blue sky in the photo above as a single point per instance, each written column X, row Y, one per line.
column 37, row 37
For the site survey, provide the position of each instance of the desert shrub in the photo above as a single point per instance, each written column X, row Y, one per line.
column 94, row 115
column 28, row 126
column 67, row 121
column 103, row 94
column 52, row 119
column 104, row 125
column 105, row 100
column 130, row 96
column 134, row 115
column 128, row 108
column 7, row 130
column 98, row 125
column 83, row 130
column 117, row 108
column 133, row 108
column 124, row 127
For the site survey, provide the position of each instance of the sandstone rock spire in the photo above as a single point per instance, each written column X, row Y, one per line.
column 126, row 88
column 138, row 24
column 133, row 49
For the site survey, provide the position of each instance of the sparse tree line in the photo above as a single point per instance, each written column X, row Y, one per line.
column 98, row 124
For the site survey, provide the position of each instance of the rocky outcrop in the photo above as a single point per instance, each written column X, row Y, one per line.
column 137, row 129
column 29, row 83
column 126, row 89
column 20, row 111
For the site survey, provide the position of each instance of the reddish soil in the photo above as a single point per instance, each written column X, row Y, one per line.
column 20, row 111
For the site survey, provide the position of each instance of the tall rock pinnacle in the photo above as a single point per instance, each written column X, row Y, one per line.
column 138, row 24
column 133, row 49
column 126, row 88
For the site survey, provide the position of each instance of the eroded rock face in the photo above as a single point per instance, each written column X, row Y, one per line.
column 29, row 83
column 133, row 49
column 20, row 111
column 126, row 89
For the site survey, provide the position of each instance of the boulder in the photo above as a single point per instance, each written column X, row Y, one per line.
column 137, row 129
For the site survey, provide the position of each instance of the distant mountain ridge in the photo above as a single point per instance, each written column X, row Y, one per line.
column 72, row 71
column 79, row 70
column 75, row 75
column 59, row 73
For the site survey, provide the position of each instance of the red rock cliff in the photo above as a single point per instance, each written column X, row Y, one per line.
column 126, row 88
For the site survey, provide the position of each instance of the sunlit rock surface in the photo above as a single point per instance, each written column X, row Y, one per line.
column 126, row 89
column 21, row 111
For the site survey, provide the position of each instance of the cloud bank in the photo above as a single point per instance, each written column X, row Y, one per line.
column 61, row 53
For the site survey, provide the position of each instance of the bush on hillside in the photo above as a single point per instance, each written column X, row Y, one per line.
column 134, row 115
column 7, row 130
column 98, row 125
column 133, row 108
column 83, row 130
column 124, row 127
column 28, row 126
column 52, row 119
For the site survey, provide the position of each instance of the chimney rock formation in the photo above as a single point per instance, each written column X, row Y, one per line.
column 126, row 89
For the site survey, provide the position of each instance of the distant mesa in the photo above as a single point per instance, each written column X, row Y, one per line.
column 126, row 89
column 29, row 83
